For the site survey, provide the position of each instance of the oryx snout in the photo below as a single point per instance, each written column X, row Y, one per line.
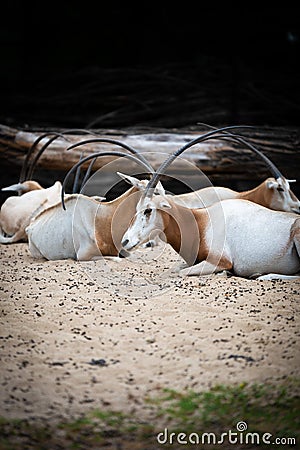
column 129, row 245
column 124, row 243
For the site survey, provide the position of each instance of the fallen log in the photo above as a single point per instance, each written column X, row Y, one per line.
column 219, row 160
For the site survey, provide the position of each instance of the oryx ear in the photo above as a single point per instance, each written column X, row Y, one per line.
column 131, row 180
column 20, row 188
column 159, row 189
column 272, row 184
column 164, row 204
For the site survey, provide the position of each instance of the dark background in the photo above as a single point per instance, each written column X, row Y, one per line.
column 160, row 64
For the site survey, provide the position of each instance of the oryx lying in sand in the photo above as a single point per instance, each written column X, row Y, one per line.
column 17, row 212
column 272, row 193
column 84, row 230
column 236, row 235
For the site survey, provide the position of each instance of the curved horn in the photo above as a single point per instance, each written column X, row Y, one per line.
column 162, row 168
column 96, row 155
column 24, row 170
column 77, row 176
column 27, row 175
column 32, row 165
column 116, row 142
column 271, row 166
column 88, row 173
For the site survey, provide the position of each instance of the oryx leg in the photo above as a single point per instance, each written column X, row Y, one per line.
column 206, row 268
column 18, row 236
column 277, row 276
column 107, row 258
column 88, row 254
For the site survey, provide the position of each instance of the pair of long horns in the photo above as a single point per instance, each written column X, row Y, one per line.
column 28, row 167
column 137, row 159
column 216, row 133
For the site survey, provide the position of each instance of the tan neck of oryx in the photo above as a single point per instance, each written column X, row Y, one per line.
column 183, row 229
column 257, row 195
column 117, row 201
column 112, row 220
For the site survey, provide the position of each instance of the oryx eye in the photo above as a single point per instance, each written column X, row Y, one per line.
column 147, row 212
column 280, row 189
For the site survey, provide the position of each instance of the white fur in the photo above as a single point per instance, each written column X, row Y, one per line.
column 249, row 237
column 86, row 230
column 17, row 212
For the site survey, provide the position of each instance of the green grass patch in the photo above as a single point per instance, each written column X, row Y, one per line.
column 265, row 408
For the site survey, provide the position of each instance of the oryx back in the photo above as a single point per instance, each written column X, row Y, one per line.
column 260, row 240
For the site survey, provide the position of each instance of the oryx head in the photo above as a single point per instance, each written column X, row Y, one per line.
column 147, row 223
column 23, row 188
column 281, row 196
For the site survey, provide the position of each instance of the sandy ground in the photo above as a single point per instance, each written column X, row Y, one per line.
column 81, row 336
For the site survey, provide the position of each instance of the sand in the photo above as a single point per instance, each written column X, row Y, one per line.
column 82, row 336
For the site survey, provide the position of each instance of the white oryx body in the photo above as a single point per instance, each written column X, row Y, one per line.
column 235, row 235
column 86, row 230
column 59, row 234
column 17, row 211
